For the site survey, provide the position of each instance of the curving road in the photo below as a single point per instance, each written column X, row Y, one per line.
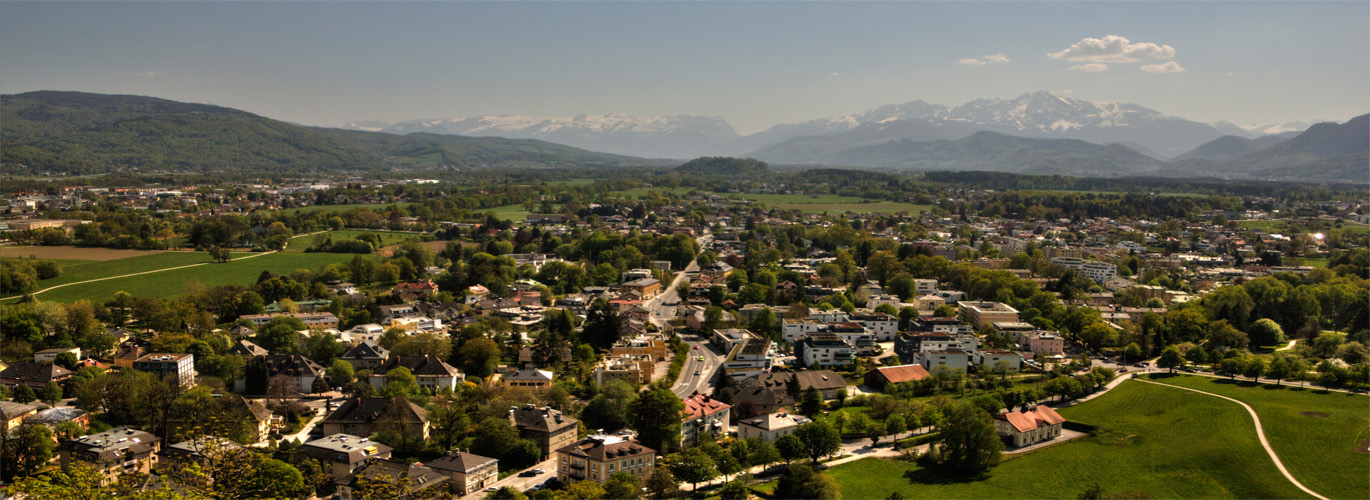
column 1260, row 433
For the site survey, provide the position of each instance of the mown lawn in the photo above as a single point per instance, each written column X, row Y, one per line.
column 508, row 212
column 173, row 283
column 299, row 244
column 1153, row 442
column 118, row 267
column 1316, row 433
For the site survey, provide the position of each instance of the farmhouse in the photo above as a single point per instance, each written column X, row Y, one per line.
column 1022, row 428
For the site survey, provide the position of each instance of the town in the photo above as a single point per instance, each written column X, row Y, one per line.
column 486, row 334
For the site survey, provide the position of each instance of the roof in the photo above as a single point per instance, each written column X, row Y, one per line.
column 537, row 375
column 111, row 444
column 419, row 477
column 35, row 371
column 11, row 410
column 774, row 421
column 371, row 410
column 420, row 366
column 701, row 405
column 1025, row 421
column 343, row 448
column 247, row 349
column 461, row 461
column 55, row 415
column 543, row 419
column 903, row 373
column 601, row 448
column 366, row 350
column 292, row 365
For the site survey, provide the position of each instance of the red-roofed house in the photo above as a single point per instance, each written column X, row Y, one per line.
column 704, row 416
column 1022, row 428
column 882, row 376
column 420, row 288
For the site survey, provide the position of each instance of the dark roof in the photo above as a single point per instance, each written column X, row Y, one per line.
column 431, row 366
column 247, row 349
column 111, row 444
column 370, row 410
column 461, row 461
column 543, row 419
column 344, row 448
column 293, row 365
column 600, row 449
column 33, row 371
column 366, row 350
column 417, row 475
column 11, row 410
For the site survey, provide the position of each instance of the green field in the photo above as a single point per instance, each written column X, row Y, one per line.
column 1322, row 451
column 173, row 283
column 636, row 193
column 508, row 212
column 102, row 269
column 573, row 182
column 344, row 208
column 299, row 244
column 1263, row 225
column 1153, row 442
column 860, row 208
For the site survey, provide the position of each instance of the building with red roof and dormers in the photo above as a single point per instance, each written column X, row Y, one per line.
column 704, row 416
column 1023, row 428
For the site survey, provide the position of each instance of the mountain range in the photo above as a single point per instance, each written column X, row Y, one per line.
column 76, row 132
column 81, row 133
column 1037, row 115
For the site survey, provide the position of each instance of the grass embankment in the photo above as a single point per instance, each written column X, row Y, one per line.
column 300, row 243
column 1153, row 442
column 1319, row 435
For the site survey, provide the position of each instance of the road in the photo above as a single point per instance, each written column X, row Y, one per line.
column 548, row 466
column 689, row 383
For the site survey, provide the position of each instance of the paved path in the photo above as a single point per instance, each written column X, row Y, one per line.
column 160, row 270
column 1260, row 433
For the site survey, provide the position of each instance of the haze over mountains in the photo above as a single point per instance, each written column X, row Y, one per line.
column 1035, row 115
column 1041, row 134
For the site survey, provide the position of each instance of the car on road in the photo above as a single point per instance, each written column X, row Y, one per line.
column 528, row 473
column 696, row 348
column 492, row 489
column 701, row 358
column 1190, row 369
column 1140, row 365
column 696, row 372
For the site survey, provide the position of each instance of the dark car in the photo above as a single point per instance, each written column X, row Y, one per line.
column 528, row 473
column 1140, row 365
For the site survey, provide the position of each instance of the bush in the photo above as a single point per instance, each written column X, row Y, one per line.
column 916, row 441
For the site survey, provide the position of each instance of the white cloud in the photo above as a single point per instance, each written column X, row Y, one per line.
column 1090, row 68
column 989, row 59
column 834, row 74
column 1229, row 73
column 1167, row 67
column 1112, row 49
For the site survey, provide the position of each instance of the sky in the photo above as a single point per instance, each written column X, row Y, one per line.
column 753, row 63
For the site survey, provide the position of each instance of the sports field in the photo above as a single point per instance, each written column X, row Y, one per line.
column 1153, row 442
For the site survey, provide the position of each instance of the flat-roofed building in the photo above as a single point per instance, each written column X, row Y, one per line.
column 751, row 357
column 983, row 313
column 824, row 349
column 343, row 454
column 180, row 366
column 770, row 427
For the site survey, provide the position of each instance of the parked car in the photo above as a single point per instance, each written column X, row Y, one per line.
column 528, row 473
column 1140, row 365
column 492, row 489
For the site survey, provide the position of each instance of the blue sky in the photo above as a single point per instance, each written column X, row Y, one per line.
column 753, row 63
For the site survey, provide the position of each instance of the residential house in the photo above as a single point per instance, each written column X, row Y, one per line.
column 468, row 473
column 885, row 375
column 15, row 413
column 549, row 428
column 983, row 313
column 33, row 374
column 364, row 416
column 823, row 349
column 753, row 356
column 415, row 480
column 596, row 458
column 428, row 371
column 705, row 418
column 1023, row 428
column 770, row 427
column 954, row 359
column 112, row 453
column 50, row 355
column 423, row 288
column 531, row 379
column 302, row 370
column 768, row 392
column 365, row 355
column 247, row 349
column 343, row 454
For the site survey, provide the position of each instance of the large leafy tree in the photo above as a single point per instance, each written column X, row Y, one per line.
column 801, row 481
column 969, row 442
column 655, row 414
column 820, row 439
column 693, row 466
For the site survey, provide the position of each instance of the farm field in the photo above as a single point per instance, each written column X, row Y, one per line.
column 508, row 212
column 102, row 269
column 72, row 252
column 1320, row 436
column 173, row 283
column 300, row 243
column 860, row 208
column 1153, row 442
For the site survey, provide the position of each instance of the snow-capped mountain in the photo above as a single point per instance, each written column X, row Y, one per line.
column 677, row 136
column 1036, row 115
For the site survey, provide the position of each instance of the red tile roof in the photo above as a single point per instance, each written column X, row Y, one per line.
column 903, row 373
column 701, row 405
column 1028, row 420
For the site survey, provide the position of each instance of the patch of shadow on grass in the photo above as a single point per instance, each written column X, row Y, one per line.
column 935, row 475
column 1313, row 414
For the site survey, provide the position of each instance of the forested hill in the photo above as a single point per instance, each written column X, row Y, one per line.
column 83, row 133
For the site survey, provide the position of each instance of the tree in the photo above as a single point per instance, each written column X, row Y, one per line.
column 820, row 439
column 875, row 431
column 763, row 453
column 23, row 394
column 969, row 442
column 728, row 465
column 1233, row 366
column 1266, row 332
column 1171, row 359
column 79, row 481
column 582, row 490
column 506, row 493
column 623, row 485
column 480, row 356
column 279, row 336
column 812, row 404
column 273, row 477
column 340, row 373
column 790, row 447
column 800, row 481
column 1280, row 368
column 661, row 484
column 1255, row 367
column 27, row 449
column 895, row 424
column 734, row 490
column 1132, row 352
column 497, row 438
column 655, row 414
column 693, row 466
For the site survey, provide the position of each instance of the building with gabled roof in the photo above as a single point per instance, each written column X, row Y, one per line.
column 1023, row 428
column 415, row 479
column 885, row 375
column 428, row 371
column 771, row 426
column 363, row 416
column 705, row 418
column 365, row 355
column 247, row 349
column 33, row 374
column 532, row 379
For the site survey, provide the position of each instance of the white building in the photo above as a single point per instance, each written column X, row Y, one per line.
column 770, row 427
